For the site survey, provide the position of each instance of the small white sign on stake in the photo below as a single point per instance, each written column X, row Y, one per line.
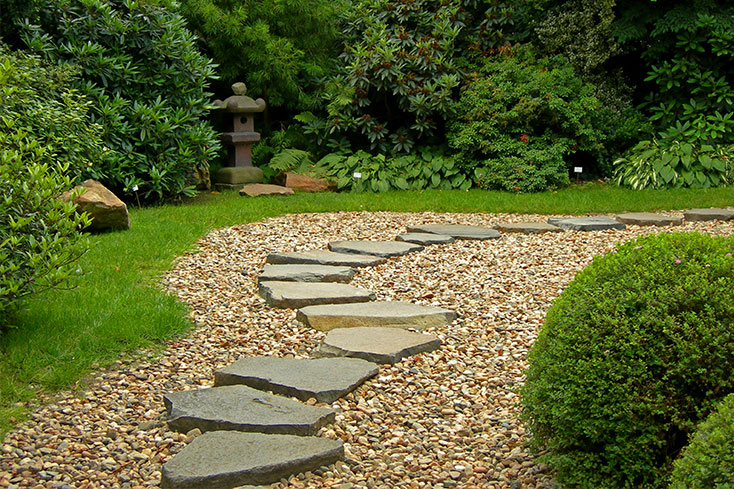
column 577, row 169
column 135, row 188
column 357, row 174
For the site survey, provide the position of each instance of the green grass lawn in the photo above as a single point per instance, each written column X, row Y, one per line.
column 61, row 335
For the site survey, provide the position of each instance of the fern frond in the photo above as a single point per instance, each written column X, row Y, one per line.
column 290, row 159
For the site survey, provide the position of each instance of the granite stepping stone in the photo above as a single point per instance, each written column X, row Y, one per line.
column 586, row 223
column 292, row 295
column 424, row 239
column 258, row 189
column 325, row 379
column 708, row 214
column 306, row 273
column 242, row 408
column 649, row 219
column 527, row 227
column 457, row 231
column 323, row 257
column 225, row 459
column 374, row 314
column 379, row 345
column 384, row 249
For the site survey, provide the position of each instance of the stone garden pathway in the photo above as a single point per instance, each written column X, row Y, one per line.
column 417, row 344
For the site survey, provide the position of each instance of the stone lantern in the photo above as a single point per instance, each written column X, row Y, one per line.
column 241, row 138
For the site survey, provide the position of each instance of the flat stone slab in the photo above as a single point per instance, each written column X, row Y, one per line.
column 258, row 189
column 323, row 257
column 425, row 239
column 457, row 231
column 586, row 223
column 708, row 214
column 325, row 379
column 225, row 459
column 306, row 273
column 379, row 345
column 292, row 295
column 527, row 227
column 242, row 408
column 383, row 249
column 649, row 219
column 374, row 314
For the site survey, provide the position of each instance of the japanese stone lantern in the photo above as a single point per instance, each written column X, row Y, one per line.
column 242, row 137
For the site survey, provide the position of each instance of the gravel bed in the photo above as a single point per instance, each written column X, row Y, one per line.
column 442, row 419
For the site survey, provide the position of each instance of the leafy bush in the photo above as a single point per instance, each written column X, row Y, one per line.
column 398, row 74
column 278, row 47
column 708, row 462
column 632, row 355
column 140, row 67
column 519, row 119
column 666, row 164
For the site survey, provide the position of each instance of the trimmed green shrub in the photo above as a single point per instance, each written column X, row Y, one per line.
column 708, row 461
column 140, row 67
column 520, row 118
column 633, row 353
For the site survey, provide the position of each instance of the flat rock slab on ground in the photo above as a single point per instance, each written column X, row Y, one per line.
column 457, row 231
column 649, row 219
column 225, row 459
column 374, row 314
column 586, row 223
column 242, row 408
column 292, row 295
column 384, row 249
column 323, row 257
column 424, row 239
column 325, row 379
column 258, row 189
column 379, row 345
column 306, row 273
column 711, row 214
column 527, row 227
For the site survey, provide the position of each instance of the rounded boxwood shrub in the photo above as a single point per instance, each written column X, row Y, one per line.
column 708, row 462
column 634, row 352
column 147, row 82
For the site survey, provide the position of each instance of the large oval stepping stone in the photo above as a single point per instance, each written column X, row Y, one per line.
column 325, row 379
column 374, row 314
column 379, row 345
column 708, row 214
column 324, row 257
column 649, row 219
column 424, row 239
column 242, row 408
column 527, row 227
column 292, row 295
column 225, row 459
column 586, row 223
column 457, row 231
column 384, row 249
column 306, row 273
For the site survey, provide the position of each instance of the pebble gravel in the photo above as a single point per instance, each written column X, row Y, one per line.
column 448, row 418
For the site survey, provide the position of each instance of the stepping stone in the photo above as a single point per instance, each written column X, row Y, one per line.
column 586, row 223
column 323, row 257
column 258, row 189
column 306, row 273
column 374, row 314
column 242, row 408
column 458, row 231
column 379, row 345
column 527, row 227
column 225, row 459
column 292, row 295
column 383, row 249
column 649, row 219
column 708, row 214
column 424, row 239
column 325, row 379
